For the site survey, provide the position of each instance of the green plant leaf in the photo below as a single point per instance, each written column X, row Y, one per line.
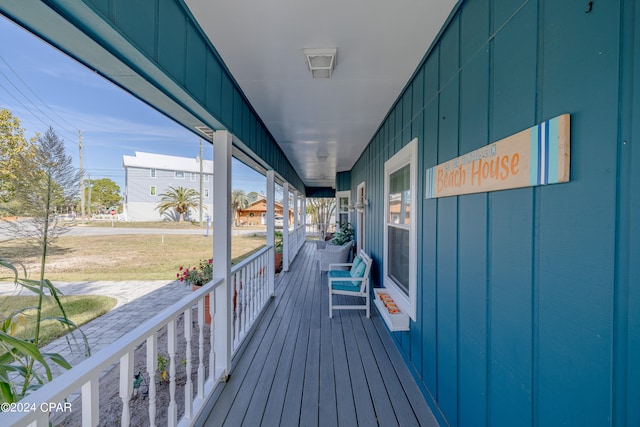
column 58, row 359
column 26, row 348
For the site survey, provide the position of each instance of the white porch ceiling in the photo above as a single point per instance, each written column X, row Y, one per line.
column 379, row 42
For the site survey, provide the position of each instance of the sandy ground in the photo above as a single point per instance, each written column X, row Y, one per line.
column 111, row 406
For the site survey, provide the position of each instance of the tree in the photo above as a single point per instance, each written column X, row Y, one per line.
column 321, row 210
column 179, row 199
column 13, row 147
column 104, row 194
column 47, row 182
column 239, row 201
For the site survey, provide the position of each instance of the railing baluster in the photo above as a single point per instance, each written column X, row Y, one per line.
column 126, row 385
column 152, row 365
column 245, row 301
column 188, row 388
column 201, row 348
column 171, row 348
column 90, row 402
column 236, row 308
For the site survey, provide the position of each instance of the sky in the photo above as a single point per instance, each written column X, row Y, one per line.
column 43, row 87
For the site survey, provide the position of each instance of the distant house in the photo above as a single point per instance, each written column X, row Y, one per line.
column 148, row 175
column 256, row 213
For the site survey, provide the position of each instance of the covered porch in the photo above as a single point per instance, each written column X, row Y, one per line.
column 301, row 368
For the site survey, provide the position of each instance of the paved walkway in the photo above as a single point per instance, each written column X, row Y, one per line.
column 137, row 301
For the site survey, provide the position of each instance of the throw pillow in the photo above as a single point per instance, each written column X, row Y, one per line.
column 359, row 273
column 356, row 262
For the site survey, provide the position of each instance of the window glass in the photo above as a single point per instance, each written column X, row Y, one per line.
column 398, row 254
column 179, row 174
column 400, row 196
column 152, row 173
column 152, row 190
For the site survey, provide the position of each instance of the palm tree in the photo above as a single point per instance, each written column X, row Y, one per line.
column 239, row 201
column 180, row 199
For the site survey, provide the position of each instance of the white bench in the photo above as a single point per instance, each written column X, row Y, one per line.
column 342, row 282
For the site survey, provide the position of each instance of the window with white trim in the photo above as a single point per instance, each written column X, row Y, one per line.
column 152, row 173
column 152, row 190
column 400, row 251
column 206, row 178
column 206, row 192
column 193, row 176
column 179, row 174
column 343, row 200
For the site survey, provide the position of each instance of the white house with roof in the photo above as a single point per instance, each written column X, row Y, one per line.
column 148, row 175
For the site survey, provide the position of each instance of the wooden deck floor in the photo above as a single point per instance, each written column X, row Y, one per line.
column 302, row 368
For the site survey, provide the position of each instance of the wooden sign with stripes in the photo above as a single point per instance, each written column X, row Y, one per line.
column 537, row 156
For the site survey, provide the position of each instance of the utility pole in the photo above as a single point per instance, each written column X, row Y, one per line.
column 201, row 189
column 89, row 176
column 81, row 176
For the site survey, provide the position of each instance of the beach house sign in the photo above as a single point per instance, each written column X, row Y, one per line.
column 536, row 156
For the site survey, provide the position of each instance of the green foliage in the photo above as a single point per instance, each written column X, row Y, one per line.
column 343, row 235
column 278, row 242
column 104, row 194
column 163, row 363
column 21, row 362
column 13, row 148
column 180, row 199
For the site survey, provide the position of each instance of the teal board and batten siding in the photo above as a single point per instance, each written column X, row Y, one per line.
column 156, row 50
column 528, row 299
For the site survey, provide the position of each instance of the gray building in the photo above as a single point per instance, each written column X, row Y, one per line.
column 148, row 175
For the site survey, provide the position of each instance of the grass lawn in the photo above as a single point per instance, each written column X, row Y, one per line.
column 121, row 257
column 80, row 309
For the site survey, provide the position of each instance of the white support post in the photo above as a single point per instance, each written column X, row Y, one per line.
column 222, row 250
column 271, row 228
column 296, row 221
column 304, row 217
column 285, row 226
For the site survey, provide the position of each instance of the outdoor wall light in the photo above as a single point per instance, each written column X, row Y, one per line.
column 362, row 204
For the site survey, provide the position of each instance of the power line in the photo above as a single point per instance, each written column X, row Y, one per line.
column 32, row 103
column 36, row 95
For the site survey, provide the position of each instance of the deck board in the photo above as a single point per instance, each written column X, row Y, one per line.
column 302, row 368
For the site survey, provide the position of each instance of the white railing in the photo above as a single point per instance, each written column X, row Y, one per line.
column 296, row 240
column 53, row 398
column 252, row 284
column 251, row 287
column 318, row 231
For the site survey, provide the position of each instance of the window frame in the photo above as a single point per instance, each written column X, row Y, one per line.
column 193, row 176
column 408, row 155
column 176, row 176
column 152, row 173
column 346, row 194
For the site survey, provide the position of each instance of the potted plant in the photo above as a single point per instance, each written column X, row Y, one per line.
column 198, row 276
column 277, row 246
column 343, row 235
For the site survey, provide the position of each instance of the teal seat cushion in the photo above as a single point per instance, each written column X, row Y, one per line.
column 345, row 285
column 356, row 262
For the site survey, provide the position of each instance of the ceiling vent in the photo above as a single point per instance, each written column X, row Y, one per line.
column 321, row 61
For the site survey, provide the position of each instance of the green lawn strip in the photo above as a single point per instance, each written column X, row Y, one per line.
column 121, row 257
column 80, row 309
